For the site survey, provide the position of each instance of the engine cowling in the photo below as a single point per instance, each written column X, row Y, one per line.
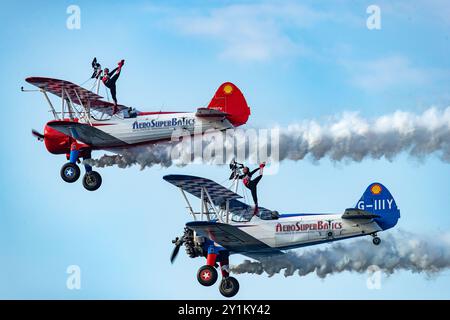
column 193, row 247
column 55, row 141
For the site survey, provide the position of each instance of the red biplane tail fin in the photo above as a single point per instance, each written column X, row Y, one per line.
column 230, row 100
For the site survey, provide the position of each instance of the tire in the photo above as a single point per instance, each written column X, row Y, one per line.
column 207, row 276
column 70, row 172
column 92, row 181
column 376, row 241
column 229, row 287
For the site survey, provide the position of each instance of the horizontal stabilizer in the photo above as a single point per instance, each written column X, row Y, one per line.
column 210, row 114
column 353, row 213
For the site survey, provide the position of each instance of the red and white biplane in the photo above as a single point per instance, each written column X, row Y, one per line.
column 86, row 123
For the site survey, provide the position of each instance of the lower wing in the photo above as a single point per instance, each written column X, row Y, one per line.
column 87, row 134
column 233, row 239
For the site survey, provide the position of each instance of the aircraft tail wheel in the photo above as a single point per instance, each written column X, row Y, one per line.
column 229, row 287
column 70, row 172
column 207, row 275
column 92, row 181
column 376, row 241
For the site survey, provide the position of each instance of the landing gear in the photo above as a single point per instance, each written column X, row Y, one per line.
column 376, row 241
column 70, row 172
column 92, row 180
column 207, row 275
column 229, row 287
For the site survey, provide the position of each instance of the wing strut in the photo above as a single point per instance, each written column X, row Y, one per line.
column 191, row 211
column 55, row 114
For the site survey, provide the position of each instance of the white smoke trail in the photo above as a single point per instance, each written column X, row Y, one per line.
column 145, row 156
column 348, row 138
column 398, row 251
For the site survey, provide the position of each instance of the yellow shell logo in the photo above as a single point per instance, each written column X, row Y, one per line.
column 228, row 89
column 376, row 189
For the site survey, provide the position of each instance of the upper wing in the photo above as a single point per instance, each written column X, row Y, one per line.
column 353, row 213
column 86, row 134
column 218, row 193
column 76, row 93
column 231, row 238
column 72, row 91
column 193, row 185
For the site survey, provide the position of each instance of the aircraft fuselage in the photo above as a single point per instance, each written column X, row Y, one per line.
column 157, row 127
column 292, row 231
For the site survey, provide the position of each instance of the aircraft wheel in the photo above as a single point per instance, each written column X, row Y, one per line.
column 229, row 287
column 376, row 241
column 92, row 181
column 207, row 276
column 70, row 172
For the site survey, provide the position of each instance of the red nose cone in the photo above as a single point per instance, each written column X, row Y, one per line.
column 55, row 141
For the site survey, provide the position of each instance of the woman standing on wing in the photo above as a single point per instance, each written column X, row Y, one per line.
column 251, row 184
column 109, row 80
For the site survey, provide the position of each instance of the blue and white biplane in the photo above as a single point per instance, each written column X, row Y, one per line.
column 225, row 225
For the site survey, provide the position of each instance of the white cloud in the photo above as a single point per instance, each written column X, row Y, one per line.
column 251, row 32
column 385, row 73
column 428, row 11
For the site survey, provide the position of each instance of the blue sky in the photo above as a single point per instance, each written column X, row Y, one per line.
column 292, row 60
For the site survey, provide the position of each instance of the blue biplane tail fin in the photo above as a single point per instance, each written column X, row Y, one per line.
column 378, row 200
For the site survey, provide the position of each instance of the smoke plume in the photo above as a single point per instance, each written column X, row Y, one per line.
column 398, row 251
column 348, row 137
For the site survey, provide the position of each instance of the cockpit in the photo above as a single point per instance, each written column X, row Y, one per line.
column 269, row 215
column 107, row 114
column 129, row 113
column 247, row 215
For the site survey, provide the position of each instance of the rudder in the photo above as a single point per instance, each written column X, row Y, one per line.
column 378, row 200
column 229, row 99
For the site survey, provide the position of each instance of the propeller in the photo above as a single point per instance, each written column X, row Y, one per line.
column 178, row 242
column 38, row 135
